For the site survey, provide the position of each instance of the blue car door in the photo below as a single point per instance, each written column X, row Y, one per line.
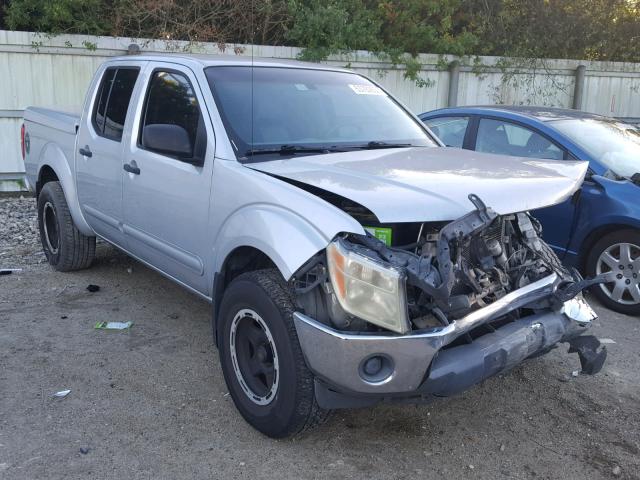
column 498, row 136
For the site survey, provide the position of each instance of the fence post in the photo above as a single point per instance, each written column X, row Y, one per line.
column 454, row 75
column 578, row 90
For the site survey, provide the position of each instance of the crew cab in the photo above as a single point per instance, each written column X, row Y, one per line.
column 349, row 257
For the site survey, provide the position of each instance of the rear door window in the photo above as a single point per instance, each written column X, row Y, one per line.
column 451, row 130
column 114, row 95
column 103, row 96
column 506, row 138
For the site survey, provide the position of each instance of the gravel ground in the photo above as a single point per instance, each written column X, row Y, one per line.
column 151, row 403
column 19, row 239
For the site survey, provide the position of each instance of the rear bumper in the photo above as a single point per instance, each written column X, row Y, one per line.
column 417, row 365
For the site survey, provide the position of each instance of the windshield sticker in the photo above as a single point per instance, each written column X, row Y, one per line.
column 301, row 86
column 367, row 90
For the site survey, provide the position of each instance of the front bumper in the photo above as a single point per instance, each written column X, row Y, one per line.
column 416, row 364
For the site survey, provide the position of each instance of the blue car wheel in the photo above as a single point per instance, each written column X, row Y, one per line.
column 618, row 255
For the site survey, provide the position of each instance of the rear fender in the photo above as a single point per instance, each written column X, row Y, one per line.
column 53, row 157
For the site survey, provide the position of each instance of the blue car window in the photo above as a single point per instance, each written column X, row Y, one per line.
column 450, row 130
column 615, row 144
column 506, row 138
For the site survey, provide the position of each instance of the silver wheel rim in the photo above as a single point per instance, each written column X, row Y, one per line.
column 257, row 398
column 622, row 262
column 50, row 227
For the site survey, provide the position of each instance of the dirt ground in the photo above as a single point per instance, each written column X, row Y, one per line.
column 151, row 402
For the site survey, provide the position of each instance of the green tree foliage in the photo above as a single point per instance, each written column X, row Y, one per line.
column 220, row 21
column 325, row 28
column 580, row 29
column 425, row 26
column 394, row 29
column 3, row 5
column 397, row 30
column 59, row 16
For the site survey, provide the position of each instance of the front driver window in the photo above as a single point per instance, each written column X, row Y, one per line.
column 171, row 100
column 496, row 136
column 450, row 130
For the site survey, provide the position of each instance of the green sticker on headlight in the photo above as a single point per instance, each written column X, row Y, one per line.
column 381, row 233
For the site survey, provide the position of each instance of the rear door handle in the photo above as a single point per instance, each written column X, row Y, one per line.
column 131, row 168
column 86, row 151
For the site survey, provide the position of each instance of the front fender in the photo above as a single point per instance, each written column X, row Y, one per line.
column 286, row 223
column 53, row 157
column 281, row 234
column 604, row 204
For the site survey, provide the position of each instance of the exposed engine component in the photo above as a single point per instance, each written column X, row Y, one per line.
column 450, row 270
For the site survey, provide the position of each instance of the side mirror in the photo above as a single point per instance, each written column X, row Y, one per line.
column 168, row 138
column 588, row 176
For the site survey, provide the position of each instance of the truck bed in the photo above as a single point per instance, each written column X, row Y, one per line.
column 51, row 135
column 63, row 121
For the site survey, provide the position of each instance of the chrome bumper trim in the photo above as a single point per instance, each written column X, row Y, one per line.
column 510, row 302
column 335, row 356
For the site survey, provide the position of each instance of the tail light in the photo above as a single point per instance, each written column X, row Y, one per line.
column 22, row 133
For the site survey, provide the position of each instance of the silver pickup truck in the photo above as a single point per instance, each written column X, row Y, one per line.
column 348, row 256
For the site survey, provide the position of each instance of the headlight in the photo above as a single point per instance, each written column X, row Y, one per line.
column 367, row 289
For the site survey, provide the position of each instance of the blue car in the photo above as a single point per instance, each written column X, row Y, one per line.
column 598, row 229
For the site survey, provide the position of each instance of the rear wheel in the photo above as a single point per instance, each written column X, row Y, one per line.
column 261, row 357
column 618, row 254
column 64, row 246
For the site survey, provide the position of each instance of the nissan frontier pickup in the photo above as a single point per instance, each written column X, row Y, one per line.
column 349, row 257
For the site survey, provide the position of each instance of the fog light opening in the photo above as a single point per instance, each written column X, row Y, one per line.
column 376, row 369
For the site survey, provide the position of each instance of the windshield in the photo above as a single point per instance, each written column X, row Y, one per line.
column 615, row 144
column 292, row 110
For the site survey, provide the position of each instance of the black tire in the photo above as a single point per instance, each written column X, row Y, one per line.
column 608, row 241
column 292, row 408
column 64, row 246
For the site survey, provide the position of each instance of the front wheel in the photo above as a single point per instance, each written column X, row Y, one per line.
column 261, row 357
column 617, row 254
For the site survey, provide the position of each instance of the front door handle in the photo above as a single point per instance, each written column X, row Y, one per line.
column 131, row 168
column 86, row 151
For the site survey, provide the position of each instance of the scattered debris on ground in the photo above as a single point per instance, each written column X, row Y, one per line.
column 129, row 391
column 9, row 271
column 113, row 325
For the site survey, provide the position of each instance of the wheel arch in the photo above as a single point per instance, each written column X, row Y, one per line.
column 45, row 175
column 594, row 235
column 242, row 259
column 273, row 234
column 261, row 236
column 54, row 166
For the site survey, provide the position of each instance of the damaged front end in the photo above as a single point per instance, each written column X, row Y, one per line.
column 455, row 284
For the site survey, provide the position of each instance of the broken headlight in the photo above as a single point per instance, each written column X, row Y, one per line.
column 367, row 289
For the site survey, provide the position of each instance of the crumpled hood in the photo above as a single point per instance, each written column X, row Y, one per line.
column 433, row 184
